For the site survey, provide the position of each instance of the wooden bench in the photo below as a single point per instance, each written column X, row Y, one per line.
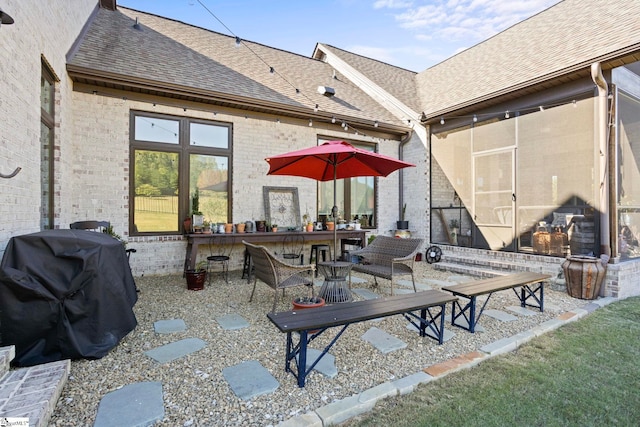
column 388, row 257
column 531, row 287
column 429, row 322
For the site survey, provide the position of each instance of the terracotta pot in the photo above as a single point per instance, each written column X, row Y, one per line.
column 196, row 279
column 228, row 228
column 309, row 227
column 301, row 304
column 330, row 225
column 240, row 227
column 584, row 276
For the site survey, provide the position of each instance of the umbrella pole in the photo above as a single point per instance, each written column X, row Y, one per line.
column 334, row 213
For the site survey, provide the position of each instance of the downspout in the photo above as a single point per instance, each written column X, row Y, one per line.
column 603, row 171
column 403, row 141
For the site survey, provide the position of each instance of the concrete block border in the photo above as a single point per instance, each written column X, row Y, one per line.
column 344, row 409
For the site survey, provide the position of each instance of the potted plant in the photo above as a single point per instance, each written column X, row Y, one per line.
column 198, row 218
column 196, row 277
column 206, row 227
column 274, row 227
column 402, row 224
column 300, row 303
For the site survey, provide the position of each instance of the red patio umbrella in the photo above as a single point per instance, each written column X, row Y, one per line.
column 333, row 160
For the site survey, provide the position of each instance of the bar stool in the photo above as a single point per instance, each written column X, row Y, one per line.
column 313, row 255
column 247, row 266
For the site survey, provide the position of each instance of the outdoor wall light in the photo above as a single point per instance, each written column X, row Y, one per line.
column 5, row 19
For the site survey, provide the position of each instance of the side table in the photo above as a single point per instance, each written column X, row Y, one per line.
column 336, row 285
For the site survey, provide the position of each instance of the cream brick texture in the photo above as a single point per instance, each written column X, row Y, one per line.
column 101, row 191
column 41, row 30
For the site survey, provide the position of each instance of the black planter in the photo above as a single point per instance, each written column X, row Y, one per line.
column 402, row 225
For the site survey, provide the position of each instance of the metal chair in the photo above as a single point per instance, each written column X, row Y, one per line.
column 292, row 248
column 220, row 249
column 276, row 273
column 99, row 227
column 314, row 253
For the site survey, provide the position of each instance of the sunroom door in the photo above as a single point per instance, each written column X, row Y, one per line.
column 494, row 199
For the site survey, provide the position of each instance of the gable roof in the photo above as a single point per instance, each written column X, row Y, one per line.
column 554, row 46
column 396, row 81
column 161, row 56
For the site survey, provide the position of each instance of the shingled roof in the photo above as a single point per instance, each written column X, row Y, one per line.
column 396, row 81
column 553, row 46
column 164, row 56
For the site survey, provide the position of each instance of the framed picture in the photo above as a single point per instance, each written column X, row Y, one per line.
column 282, row 207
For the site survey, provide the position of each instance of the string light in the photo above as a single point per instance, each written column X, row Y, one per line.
column 315, row 109
column 507, row 113
column 333, row 119
column 272, row 70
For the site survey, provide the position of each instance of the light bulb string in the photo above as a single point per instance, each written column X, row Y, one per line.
column 269, row 67
column 475, row 117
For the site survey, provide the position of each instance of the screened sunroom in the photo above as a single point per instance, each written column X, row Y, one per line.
column 528, row 176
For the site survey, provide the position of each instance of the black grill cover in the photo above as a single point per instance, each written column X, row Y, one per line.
column 65, row 294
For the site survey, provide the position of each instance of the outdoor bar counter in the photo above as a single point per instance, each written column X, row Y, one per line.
column 195, row 240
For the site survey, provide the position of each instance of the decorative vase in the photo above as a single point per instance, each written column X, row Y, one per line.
column 260, row 226
column 196, row 279
column 584, row 276
column 240, row 227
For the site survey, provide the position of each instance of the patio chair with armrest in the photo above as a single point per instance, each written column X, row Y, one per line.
column 276, row 273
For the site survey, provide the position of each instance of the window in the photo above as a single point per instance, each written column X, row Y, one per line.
column 171, row 158
column 47, row 125
column 355, row 196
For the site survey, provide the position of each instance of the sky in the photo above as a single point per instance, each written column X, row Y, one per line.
column 411, row 34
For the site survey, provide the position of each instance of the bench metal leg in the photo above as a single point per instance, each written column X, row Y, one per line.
column 468, row 312
column 435, row 322
column 300, row 350
column 527, row 292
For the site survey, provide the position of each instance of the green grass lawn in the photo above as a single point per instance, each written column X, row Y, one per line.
column 583, row 374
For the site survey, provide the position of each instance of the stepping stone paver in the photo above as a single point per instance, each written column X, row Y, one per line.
column 169, row 326
column 175, row 350
column 326, row 366
column 463, row 322
column 250, row 379
column 138, row 404
column 409, row 284
column 500, row 315
column 365, row 293
column 384, row 342
column 355, row 279
column 446, row 335
column 232, row 321
column 523, row 311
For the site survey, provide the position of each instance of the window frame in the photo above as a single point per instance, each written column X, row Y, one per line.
column 47, row 119
column 184, row 150
column 347, row 188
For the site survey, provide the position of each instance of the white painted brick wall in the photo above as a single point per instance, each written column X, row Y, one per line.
column 46, row 29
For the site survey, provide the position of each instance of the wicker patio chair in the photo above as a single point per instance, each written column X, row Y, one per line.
column 276, row 273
